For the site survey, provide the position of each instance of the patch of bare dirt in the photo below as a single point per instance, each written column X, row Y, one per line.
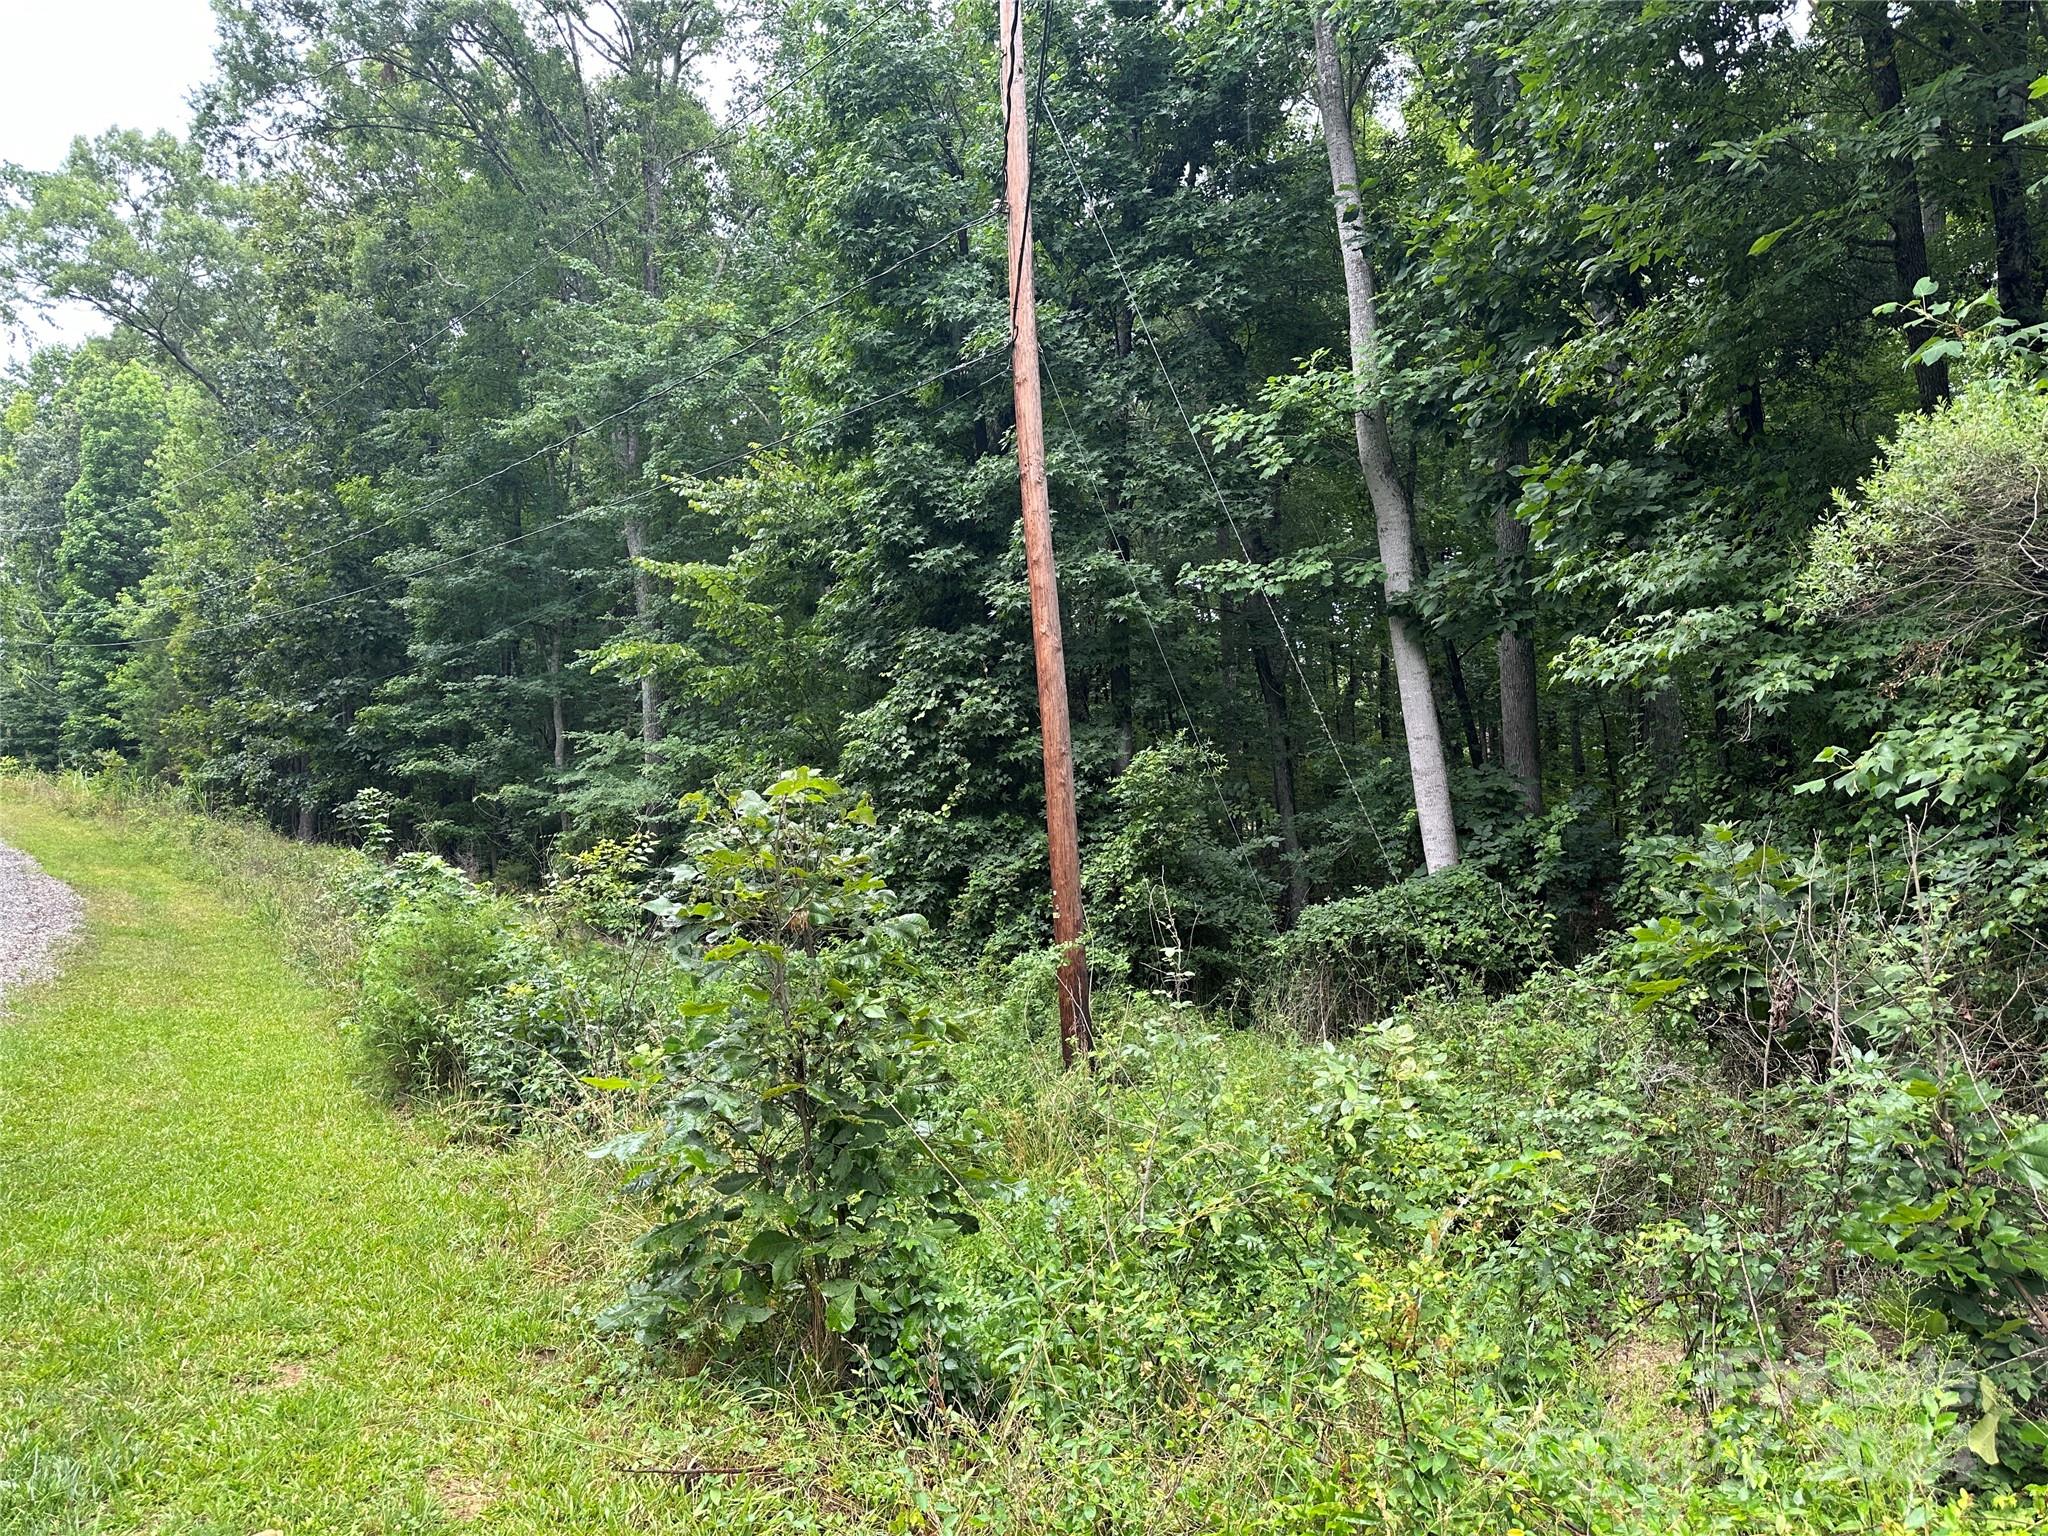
column 460, row 1496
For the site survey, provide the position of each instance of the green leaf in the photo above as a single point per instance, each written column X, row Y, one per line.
column 839, row 1303
column 619, row 1148
column 1983, row 1440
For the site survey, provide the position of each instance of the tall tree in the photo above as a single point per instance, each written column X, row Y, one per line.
column 1391, row 507
column 1907, row 214
column 134, row 227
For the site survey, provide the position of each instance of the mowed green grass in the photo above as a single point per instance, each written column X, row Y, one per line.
column 239, row 1295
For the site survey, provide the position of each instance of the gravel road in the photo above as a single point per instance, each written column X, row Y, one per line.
column 36, row 913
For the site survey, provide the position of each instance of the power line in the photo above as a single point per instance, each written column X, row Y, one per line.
column 244, row 623
column 724, row 140
column 1208, row 470
column 1059, row 398
column 646, row 400
column 222, row 589
column 661, row 392
column 1165, row 661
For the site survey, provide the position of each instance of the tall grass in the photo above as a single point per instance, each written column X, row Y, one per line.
column 292, row 887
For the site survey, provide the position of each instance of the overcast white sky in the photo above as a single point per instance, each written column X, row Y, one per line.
column 70, row 67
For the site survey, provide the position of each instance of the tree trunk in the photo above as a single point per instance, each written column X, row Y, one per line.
column 1454, row 668
column 1660, row 728
column 1391, row 512
column 643, row 588
column 1280, row 740
column 558, row 724
column 1515, row 652
column 2012, row 232
column 1908, row 218
column 632, row 447
column 1347, row 699
column 1280, row 748
column 1611, row 768
column 1515, row 645
column 1120, row 708
column 1454, row 673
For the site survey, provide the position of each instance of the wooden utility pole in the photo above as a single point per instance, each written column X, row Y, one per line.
column 1062, row 837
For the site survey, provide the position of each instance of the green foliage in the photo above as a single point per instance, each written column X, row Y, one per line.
column 1498, row 1263
column 1671, row 372
column 1945, row 523
column 1964, row 764
column 1355, row 960
column 602, row 886
column 729, row 485
column 368, row 817
column 1952, row 1188
column 461, row 992
column 804, row 1184
column 529, row 1039
column 1170, row 886
column 1720, row 905
column 437, row 944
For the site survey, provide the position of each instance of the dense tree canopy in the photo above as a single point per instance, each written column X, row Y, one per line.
column 490, row 422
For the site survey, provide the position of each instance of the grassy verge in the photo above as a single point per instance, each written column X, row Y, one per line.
column 241, row 1294
column 242, row 1297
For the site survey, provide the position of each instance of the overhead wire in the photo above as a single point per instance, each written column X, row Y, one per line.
column 1138, row 597
column 724, row 140
column 660, row 392
column 653, row 396
column 1088, row 201
column 466, row 556
column 1212, row 756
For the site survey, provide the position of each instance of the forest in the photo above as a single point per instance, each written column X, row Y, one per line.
column 1548, row 499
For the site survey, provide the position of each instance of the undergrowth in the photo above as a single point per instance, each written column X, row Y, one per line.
column 1558, row 1260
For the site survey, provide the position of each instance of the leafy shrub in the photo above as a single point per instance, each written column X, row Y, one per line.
column 1496, row 1264
column 1931, row 591
column 1963, row 764
column 437, row 943
column 1945, row 525
column 528, row 1042
column 804, row 1184
column 1354, row 960
column 1171, row 885
column 1720, row 904
column 368, row 817
column 461, row 992
column 1568, row 858
column 601, row 887
column 1953, row 1190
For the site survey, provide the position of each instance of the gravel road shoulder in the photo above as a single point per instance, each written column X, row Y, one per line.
column 36, row 914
